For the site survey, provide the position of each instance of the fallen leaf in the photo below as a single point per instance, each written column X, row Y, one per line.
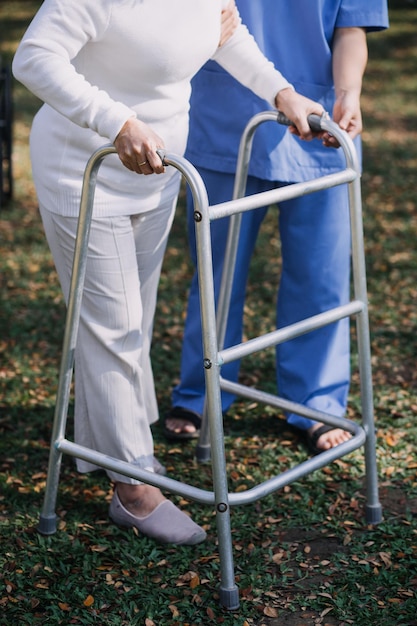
column 323, row 613
column 269, row 611
column 385, row 558
column 195, row 581
column 174, row 610
column 390, row 441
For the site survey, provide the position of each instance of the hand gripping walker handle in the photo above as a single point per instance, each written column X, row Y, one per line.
column 313, row 120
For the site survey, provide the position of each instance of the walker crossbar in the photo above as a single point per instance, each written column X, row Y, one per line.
column 265, row 198
column 211, row 444
column 297, row 329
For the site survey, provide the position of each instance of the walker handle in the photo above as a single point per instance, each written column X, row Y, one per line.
column 161, row 153
column 313, row 120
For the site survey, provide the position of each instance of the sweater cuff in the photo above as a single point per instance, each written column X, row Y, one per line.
column 113, row 120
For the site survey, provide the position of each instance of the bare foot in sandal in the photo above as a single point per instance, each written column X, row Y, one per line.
column 182, row 424
column 322, row 437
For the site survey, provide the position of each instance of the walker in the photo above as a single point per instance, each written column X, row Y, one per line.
column 211, row 444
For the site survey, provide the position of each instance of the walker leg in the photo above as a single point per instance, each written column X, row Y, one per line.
column 203, row 453
column 229, row 593
column 48, row 518
column 203, row 448
column 373, row 508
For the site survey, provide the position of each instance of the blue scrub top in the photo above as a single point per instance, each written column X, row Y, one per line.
column 297, row 36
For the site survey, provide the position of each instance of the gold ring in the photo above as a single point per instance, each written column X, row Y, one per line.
column 143, row 163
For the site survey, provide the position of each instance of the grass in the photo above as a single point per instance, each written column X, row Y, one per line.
column 304, row 555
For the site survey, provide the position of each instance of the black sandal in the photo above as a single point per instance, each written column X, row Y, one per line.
column 311, row 439
column 177, row 412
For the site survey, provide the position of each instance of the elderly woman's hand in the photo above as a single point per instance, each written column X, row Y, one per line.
column 136, row 145
column 230, row 21
column 297, row 108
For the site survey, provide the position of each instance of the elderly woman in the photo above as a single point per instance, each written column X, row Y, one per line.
column 120, row 70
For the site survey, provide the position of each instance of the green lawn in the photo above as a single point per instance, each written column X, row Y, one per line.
column 304, row 555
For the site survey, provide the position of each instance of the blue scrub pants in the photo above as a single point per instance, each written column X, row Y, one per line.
column 314, row 369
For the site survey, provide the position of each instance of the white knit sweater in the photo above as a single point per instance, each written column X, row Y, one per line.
column 97, row 63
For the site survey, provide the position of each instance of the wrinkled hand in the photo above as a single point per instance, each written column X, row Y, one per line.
column 229, row 22
column 297, row 108
column 346, row 113
column 136, row 145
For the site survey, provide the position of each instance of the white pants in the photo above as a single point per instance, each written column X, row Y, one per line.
column 115, row 400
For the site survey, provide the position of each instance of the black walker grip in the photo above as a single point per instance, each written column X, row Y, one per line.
column 313, row 120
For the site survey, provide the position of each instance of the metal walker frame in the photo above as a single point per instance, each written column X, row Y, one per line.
column 211, row 444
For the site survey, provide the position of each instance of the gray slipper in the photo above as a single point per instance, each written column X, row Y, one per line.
column 166, row 523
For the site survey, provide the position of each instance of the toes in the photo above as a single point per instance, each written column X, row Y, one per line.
column 180, row 426
column 333, row 438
